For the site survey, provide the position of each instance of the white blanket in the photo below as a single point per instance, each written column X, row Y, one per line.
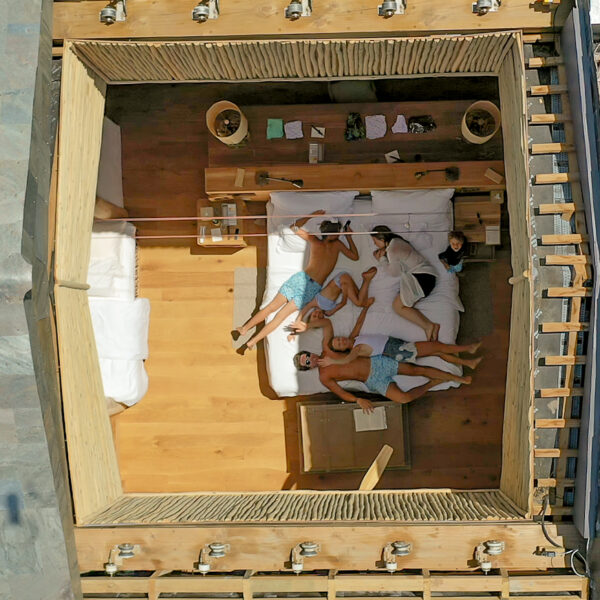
column 441, row 306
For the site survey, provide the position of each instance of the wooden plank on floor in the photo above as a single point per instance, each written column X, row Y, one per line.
column 553, row 482
column 563, row 360
column 555, row 511
column 569, row 292
column 541, row 38
column 555, row 452
column 549, row 118
column 557, row 239
column 554, row 178
column 557, row 423
column 545, row 90
column 567, row 259
column 551, row 148
column 537, row 62
column 560, row 392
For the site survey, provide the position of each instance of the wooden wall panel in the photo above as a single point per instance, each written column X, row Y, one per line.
column 256, row 60
column 93, row 465
column 517, row 443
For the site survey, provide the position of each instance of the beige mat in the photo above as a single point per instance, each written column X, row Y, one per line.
column 248, row 290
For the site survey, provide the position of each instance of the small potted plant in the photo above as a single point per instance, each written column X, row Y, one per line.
column 480, row 122
column 227, row 123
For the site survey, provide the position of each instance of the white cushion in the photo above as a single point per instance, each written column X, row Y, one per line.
column 304, row 203
column 411, row 201
column 290, row 242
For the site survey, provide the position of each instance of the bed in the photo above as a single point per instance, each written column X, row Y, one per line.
column 120, row 320
column 424, row 219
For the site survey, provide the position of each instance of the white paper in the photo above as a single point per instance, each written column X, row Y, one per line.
column 375, row 421
column 400, row 125
column 376, row 126
column 216, row 234
column 392, row 157
column 317, row 132
column 293, row 130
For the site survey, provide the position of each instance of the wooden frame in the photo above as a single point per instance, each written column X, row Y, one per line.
column 103, row 500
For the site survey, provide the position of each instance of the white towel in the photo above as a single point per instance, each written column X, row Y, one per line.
column 376, row 126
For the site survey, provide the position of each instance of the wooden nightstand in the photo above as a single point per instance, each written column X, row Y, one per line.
column 230, row 232
column 478, row 218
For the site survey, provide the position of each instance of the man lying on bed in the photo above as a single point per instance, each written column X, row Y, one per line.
column 303, row 286
column 375, row 371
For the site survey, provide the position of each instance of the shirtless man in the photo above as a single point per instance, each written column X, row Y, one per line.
column 376, row 372
column 303, row 286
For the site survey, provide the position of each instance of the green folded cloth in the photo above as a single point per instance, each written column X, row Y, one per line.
column 274, row 128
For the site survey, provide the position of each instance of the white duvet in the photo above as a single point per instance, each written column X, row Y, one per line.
column 441, row 306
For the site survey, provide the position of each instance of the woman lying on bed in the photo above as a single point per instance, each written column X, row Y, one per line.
column 377, row 361
column 418, row 277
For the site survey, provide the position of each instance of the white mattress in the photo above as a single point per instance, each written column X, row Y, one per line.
column 119, row 319
column 442, row 306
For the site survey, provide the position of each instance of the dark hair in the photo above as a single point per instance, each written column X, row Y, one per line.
column 330, row 344
column 457, row 235
column 297, row 362
column 384, row 233
column 329, row 227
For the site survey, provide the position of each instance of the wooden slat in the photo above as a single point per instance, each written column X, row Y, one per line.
column 550, row 583
column 556, row 208
column 547, row 119
column 551, row 148
column 564, row 360
column 554, row 178
column 559, row 511
column 557, row 423
column 545, row 90
column 563, row 239
column 555, row 452
column 560, row 392
column 553, row 482
column 541, row 38
column 567, row 259
column 569, row 292
column 537, row 62
column 556, row 327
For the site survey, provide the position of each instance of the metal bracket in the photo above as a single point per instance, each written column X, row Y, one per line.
column 389, row 8
column 483, row 7
column 297, row 9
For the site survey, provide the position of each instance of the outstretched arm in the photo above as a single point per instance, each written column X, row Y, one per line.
column 339, row 358
column 303, row 221
column 339, row 391
column 327, row 334
column 359, row 322
column 351, row 252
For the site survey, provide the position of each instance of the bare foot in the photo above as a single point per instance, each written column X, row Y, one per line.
column 472, row 364
column 466, row 380
column 370, row 273
column 474, row 347
column 433, row 332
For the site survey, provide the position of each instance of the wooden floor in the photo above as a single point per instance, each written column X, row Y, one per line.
column 209, row 421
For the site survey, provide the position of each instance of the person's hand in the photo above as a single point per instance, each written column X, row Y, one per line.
column 298, row 326
column 326, row 361
column 379, row 253
column 366, row 405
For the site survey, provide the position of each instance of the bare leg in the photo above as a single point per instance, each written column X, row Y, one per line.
column 363, row 293
column 262, row 314
column 349, row 288
column 431, row 373
column 415, row 316
column 435, row 348
column 456, row 360
column 285, row 312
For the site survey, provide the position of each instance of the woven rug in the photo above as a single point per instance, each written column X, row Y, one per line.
column 478, row 319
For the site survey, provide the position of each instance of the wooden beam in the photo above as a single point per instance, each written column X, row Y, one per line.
column 563, row 239
column 556, row 327
column 548, row 119
column 542, row 38
column 563, row 360
column 537, row 62
column 373, row 475
column 560, row 392
column 567, row 259
column 546, row 90
column 172, row 19
column 569, row 292
column 556, row 208
column 266, row 547
column 560, row 511
column 557, row 423
column 354, row 177
column 553, row 482
column 554, row 178
column 551, row 148
column 555, row 452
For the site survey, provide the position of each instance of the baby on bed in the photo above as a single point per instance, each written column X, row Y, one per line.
column 302, row 287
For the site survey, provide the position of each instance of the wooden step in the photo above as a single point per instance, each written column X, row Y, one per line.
column 567, row 259
column 551, row 148
column 569, row 292
column 548, row 119
column 546, row 90
column 537, row 62
column 556, row 208
column 557, row 423
column 557, row 327
column 555, row 511
column 553, row 178
column 563, row 239
column 555, row 452
column 560, row 392
column 551, row 361
column 542, row 38
column 553, row 482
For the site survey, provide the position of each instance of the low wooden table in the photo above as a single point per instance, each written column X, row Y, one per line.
column 330, row 443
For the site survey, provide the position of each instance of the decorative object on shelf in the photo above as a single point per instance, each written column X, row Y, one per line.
column 483, row 7
column 204, row 10
column 400, row 125
column 274, row 129
column 227, row 123
column 298, row 8
column 376, row 126
column 293, row 130
column 317, row 132
column 355, row 128
column 451, row 173
column 316, row 153
column 389, row 8
column 480, row 122
column 393, row 157
column 262, row 178
column 421, row 124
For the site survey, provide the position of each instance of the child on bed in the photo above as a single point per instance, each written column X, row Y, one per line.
column 452, row 256
column 303, row 286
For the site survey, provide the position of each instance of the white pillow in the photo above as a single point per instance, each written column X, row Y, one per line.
column 304, row 203
column 290, row 242
column 411, row 201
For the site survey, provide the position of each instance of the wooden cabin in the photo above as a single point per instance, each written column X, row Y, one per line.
column 233, row 450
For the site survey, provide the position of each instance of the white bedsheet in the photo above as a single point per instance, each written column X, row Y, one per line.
column 442, row 306
column 119, row 319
